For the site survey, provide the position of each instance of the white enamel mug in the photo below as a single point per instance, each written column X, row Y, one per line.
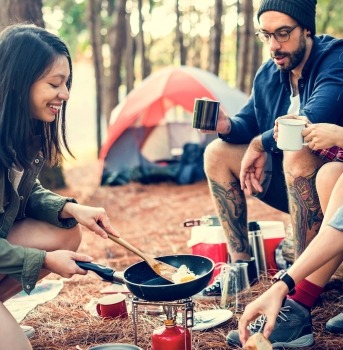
column 289, row 134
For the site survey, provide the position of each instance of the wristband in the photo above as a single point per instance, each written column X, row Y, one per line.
column 286, row 278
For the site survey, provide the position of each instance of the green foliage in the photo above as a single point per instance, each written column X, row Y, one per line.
column 329, row 17
column 73, row 28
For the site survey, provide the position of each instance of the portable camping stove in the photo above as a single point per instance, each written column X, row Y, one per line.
column 171, row 307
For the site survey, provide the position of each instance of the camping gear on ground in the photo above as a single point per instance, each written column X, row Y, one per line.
column 171, row 337
column 112, row 306
column 235, row 287
column 144, row 283
column 256, row 244
column 205, row 114
column 149, row 128
column 210, row 318
column 273, row 233
column 208, row 239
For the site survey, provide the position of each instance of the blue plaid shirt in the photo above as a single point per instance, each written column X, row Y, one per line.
column 320, row 89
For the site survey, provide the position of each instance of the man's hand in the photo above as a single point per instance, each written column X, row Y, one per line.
column 268, row 304
column 223, row 124
column 252, row 166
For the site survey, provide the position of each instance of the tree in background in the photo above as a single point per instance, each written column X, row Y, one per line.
column 215, row 38
column 117, row 42
column 248, row 50
column 94, row 24
column 179, row 43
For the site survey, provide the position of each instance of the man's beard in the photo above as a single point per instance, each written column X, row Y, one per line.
column 295, row 57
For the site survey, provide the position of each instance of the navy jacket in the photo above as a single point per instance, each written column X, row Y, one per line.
column 320, row 89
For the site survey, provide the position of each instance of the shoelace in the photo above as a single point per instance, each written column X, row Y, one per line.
column 220, row 277
column 259, row 323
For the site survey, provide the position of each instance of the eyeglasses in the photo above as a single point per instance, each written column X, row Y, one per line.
column 280, row 35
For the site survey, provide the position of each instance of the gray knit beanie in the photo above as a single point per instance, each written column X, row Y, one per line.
column 303, row 11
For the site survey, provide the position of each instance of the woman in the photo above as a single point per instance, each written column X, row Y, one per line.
column 39, row 230
column 325, row 253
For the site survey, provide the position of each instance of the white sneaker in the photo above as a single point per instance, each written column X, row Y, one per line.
column 28, row 330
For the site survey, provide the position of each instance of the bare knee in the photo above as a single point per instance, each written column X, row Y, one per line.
column 222, row 157
column 300, row 163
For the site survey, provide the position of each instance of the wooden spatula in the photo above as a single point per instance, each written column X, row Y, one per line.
column 164, row 270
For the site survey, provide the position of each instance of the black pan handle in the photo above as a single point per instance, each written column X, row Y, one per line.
column 103, row 271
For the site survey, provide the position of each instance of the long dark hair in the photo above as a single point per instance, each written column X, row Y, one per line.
column 27, row 54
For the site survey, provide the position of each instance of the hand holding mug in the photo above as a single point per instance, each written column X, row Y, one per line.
column 209, row 118
column 289, row 132
column 288, row 116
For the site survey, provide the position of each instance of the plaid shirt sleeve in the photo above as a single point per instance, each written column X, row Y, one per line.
column 332, row 154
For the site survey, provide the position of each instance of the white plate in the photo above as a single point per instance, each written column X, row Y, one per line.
column 211, row 318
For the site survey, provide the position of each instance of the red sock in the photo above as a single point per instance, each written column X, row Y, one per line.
column 306, row 293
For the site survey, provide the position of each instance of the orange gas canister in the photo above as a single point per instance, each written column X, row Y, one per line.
column 208, row 239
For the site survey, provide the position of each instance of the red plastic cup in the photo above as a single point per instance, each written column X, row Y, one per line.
column 112, row 306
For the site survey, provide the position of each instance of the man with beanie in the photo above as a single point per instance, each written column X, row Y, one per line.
column 304, row 77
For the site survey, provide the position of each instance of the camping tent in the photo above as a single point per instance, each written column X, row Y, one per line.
column 150, row 127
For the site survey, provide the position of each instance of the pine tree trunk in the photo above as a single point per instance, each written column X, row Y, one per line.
column 117, row 43
column 94, row 24
column 130, row 55
column 215, row 38
column 245, row 47
column 179, row 37
column 141, row 43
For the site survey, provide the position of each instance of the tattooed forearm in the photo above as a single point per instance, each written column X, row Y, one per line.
column 232, row 210
column 305, row 210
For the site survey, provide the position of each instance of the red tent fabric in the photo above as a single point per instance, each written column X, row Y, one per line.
column 168, row 87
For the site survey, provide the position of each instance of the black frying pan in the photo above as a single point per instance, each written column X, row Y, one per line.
column 145, row 284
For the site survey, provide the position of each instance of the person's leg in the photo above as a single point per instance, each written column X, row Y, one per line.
column 222, row 163
column 327, row 185
column 300, row 170
column 11, row 335
column 41, row 235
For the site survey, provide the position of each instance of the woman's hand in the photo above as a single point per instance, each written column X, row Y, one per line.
column 323, row 135
column 288, row 116
column 268, row 304
column 63, row 263
column 92, row 218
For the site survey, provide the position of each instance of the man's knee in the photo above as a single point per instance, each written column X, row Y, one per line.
column 220, row 156
column 300, row 163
